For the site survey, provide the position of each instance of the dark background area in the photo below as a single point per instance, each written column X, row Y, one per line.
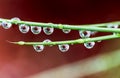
column 22, row 61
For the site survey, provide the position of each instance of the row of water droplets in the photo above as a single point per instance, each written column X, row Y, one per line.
column 40, row 48
column 37, row 30
column 34, row 29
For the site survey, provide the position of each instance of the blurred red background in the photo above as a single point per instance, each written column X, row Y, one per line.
column 22, row 61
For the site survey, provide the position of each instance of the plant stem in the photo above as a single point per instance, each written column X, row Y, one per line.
column 91, row 27
column 77, row 41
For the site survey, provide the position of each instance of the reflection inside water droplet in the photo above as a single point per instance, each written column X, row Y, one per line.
column 89, row 45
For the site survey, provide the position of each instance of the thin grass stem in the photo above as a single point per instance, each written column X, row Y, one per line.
column 77, row 41
column 90, row 27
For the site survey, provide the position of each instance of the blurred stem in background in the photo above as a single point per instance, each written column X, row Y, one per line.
column 80, row 69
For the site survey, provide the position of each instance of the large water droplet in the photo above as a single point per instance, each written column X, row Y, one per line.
column 38, row 48
column 48, row 30
column 6, row 25
column 35, row 29
column 84, row 34
column 66, row 31
column 89, row 45
column 63, row 47
column 24, row 28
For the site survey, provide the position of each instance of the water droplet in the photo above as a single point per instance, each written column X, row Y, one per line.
column 84, row 34
column 38, row 48
column 48, row 30
column 15, row 19
column 47, row 40
column 6, row 25
column 35, row 29
column 63, row 47
column 113, row 26
column 89, row 45
column 66, row 31
column 24, row 28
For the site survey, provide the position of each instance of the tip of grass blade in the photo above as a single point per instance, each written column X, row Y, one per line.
column 11, row 42
column 19, row 42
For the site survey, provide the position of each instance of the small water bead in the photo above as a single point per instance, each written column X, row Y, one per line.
column 48, row 30
column 35, row 29
column 47, row 40
column 113, row 26
column 24, row 28
column 89, row 45
column 6, row 25
column 15, row 19
column 38, row 48
column 84, row 34
column 64, row 47
column 66, row 31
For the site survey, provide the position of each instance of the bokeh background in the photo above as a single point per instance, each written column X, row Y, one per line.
column 23, row 62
